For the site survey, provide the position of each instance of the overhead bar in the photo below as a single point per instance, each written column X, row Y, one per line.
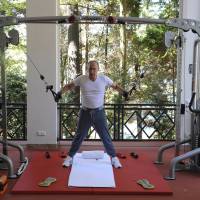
column 7, row 21
column 97, row 19
column 184, row 24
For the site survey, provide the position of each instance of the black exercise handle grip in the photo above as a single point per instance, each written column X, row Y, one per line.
column 56, row 96
column 49, row 87
column 125, row 94
column 191, row 103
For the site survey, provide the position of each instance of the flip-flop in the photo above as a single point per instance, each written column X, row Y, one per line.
column 47, row 182
column 145, row 184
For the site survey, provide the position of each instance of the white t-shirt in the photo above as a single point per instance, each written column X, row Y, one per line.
column 92, row 92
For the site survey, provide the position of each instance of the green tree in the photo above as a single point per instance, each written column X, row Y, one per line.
column 134, row 52
column 15, row 65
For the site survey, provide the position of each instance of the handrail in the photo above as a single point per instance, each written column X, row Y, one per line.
column 191, row 103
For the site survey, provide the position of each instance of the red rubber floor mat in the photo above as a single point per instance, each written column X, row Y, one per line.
column 126, row 178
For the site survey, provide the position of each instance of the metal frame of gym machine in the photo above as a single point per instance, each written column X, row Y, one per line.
column 182, row 24
column 194, row 140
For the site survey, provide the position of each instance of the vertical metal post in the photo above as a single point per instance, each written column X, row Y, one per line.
column 118, row 121
column 3, row 42
column 114, row 122
column 122, row 124
column 24, row 122
column 178, row 99
column 60, row 120
column 178, row 85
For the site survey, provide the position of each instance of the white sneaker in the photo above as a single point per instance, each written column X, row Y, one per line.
column 115, row 162
column 67, row 162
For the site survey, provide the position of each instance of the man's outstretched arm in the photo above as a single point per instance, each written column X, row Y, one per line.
column 123, row 92
column 66, row 88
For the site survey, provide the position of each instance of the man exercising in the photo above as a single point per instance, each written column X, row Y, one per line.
column 92, row 112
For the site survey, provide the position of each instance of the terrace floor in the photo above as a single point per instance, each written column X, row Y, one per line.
column 186, row 185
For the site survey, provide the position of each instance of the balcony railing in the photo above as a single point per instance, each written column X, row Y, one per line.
column 125, row 122
column 16, row 121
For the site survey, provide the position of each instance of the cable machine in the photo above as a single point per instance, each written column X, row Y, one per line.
column 183, row 24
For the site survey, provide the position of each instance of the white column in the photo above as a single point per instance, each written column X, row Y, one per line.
column 42, row 46
column 190, row 10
